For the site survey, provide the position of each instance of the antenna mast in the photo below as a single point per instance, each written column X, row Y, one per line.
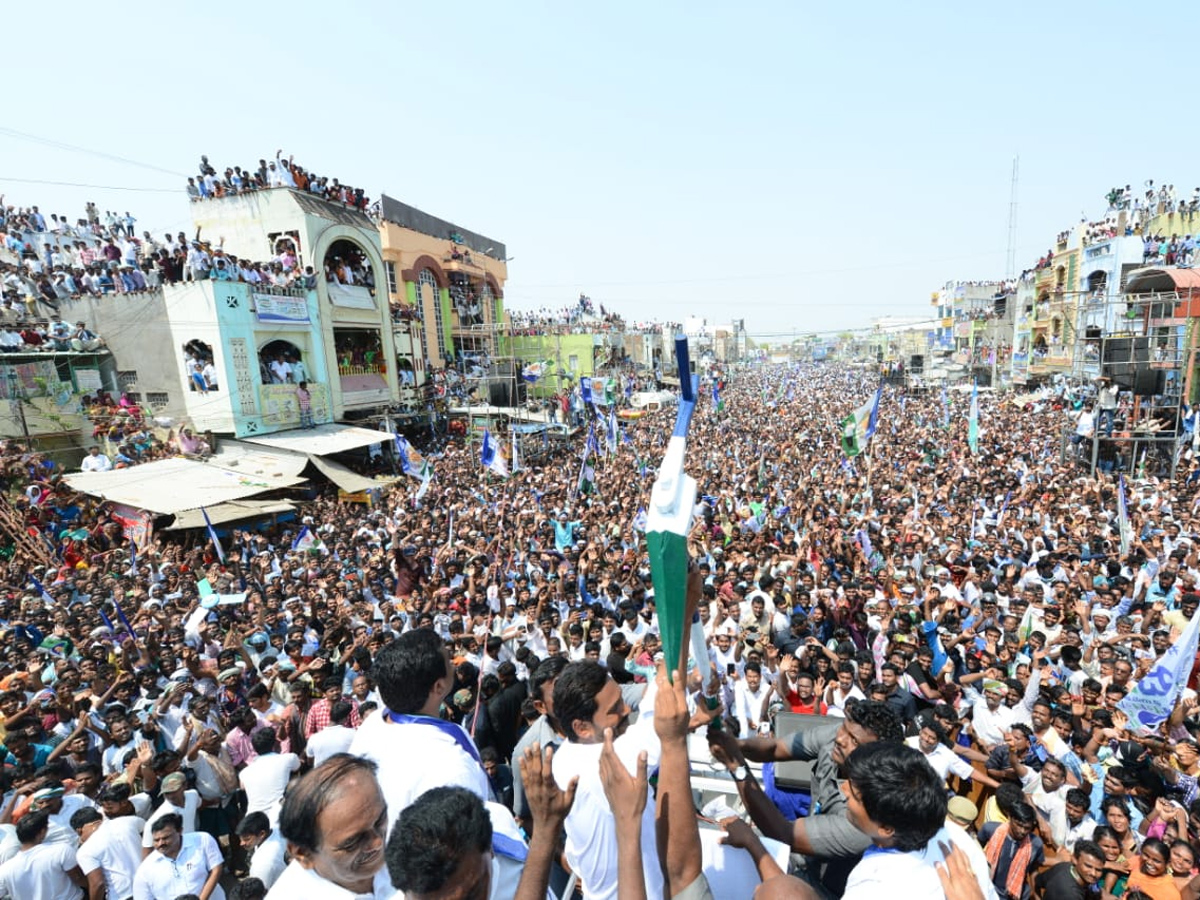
column 1010, row 267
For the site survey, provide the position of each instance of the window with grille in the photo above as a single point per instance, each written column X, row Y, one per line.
column 391, row 277
column 157, row 398
column 426, row 282
column 126, row 379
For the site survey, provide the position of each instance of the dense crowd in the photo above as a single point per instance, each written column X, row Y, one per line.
column 275, row 173
column 364, row 701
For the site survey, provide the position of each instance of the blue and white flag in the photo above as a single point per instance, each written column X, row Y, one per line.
column 1153, row 698
column 1123, row 527
column 306, row 540
column 212, row 536
column 490, row 455
column 945, row 408
column 41, row 590
column 639, row 520
column 585, row 391
column 613, row 432
column 406, row 464
column 1003, row 509
column 516, row 452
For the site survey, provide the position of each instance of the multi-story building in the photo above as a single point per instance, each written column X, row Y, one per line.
column 337, row 333
column 446, row 286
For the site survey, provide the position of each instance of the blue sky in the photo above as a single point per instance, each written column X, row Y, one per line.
column 803, row 166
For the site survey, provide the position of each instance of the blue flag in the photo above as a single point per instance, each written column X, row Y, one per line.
column 402, row 453
column 107, row 621
column 490, row 455
column 212, row 536
column 585, row 391
column 1153, row 698
column 124, row 621
column 41, row 590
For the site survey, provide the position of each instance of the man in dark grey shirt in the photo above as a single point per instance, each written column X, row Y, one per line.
column 831, row 844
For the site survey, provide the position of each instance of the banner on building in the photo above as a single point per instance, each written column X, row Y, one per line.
column 273, row 308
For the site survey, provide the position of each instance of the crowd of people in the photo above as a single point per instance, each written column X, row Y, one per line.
column 584, row 316
column 275, row 173
column 460, row 691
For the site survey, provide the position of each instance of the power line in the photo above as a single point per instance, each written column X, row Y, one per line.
column 50, row 142
column 98, row 187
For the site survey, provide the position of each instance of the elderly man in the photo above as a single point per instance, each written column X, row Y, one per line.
column 335, row 821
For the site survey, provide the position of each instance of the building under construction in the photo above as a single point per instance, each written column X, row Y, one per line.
column 1144, row 341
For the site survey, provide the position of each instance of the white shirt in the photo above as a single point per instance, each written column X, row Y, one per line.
column 913, row 876
column 160, row 878
column 113, row 759
column 265, row 780
column 328, row 741
column 268, row 861
column 40, row 873
column 591, row 845
column 990, row 726
column 944, row 760
column 97, row 463
column 747, row 706
column 298, row 882
column 415, row 758
column 115, row 847
column 191, row 805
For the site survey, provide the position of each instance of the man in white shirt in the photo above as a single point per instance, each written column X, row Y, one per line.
column 586, row 702
column 748, row 696
column 95, row 461
column 176, row 800
column 335, row 737
column 110, row 851
column 842, row 691
column 990, row 716
column 269, row 848
column 898, row 801
column 414, row 749
column 266, row 779
column 180, row 864
column 40, row 871
column 335, row 806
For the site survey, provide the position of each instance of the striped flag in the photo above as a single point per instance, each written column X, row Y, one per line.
column 859, row 427
column 212, row 536
column 41, row 590
column 1123, row 527
column 973, row 420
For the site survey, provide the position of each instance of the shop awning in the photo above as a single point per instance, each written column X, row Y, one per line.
column 258, row 461
column 234, row 511
column 323, row 440
column 349, row 481
column 170, row 486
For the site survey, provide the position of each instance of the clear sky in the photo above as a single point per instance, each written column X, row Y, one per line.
column 799, row 165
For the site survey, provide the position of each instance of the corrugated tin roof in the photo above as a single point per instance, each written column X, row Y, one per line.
column 1162, row 278
column 322, row 440
column 170, row 486
column 234, row 511
column 349, row 481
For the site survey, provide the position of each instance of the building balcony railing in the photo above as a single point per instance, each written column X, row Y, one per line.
column 377, row 368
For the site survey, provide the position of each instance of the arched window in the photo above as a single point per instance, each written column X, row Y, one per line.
column 348, row 265
column 427, row 287
column 199, row 367
column 282, row 362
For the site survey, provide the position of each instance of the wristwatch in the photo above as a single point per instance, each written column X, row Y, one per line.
column 741, row 773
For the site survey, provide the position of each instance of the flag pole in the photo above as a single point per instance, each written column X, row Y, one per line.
column 668, row 521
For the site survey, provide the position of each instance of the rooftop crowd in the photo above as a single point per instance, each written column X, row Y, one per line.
column 459, row 690
column 276, row 173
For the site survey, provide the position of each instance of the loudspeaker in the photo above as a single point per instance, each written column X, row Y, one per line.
column 916, row 363
column 797, row 774
column 1122, row 356
column 1147, row 382
column 501, row 393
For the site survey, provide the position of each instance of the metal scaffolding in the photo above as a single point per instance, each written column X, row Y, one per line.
column 1141, row 342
